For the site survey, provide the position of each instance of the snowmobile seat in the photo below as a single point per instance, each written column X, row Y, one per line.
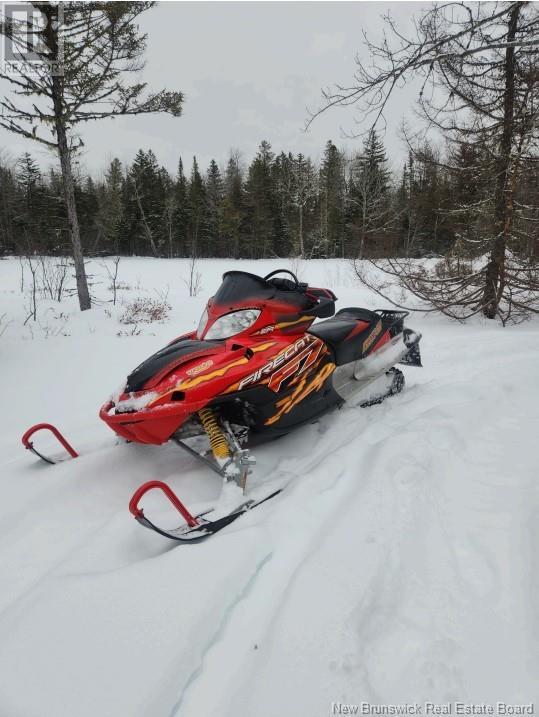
column 346, row 332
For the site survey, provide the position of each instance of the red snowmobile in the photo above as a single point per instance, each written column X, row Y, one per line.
column 255, row 369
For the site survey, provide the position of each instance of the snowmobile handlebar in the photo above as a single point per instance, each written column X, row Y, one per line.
column 283, row 271
column 323, row 300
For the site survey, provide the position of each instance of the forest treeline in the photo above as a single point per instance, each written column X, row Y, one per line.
column 277, row 205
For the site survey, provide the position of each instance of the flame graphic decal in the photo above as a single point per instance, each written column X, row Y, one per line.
column 304, row 389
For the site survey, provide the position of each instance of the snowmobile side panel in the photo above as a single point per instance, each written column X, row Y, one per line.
column 304, row 394
column 352, row 334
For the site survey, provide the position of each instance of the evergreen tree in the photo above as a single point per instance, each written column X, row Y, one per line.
column 197, row 205
column 9, row 240
column 261, row 204
column 29, row 219
column 332, row 194
column 422, row 204
column 472, row 192
column 129, row 229
column 286, row 214
column 214, row 211
column 148, row 200
column 181, row 213
column 165, row 224
column 28, row 175
column 88, row 207
column 110, row 206
column 368, row 193
column 233, row 208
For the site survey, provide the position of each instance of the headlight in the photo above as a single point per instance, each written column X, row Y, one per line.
column 231, row 324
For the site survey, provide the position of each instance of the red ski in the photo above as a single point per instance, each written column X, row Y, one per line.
column 196, row 528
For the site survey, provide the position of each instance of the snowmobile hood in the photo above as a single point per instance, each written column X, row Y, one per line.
column 151, row 371
column 176, row 382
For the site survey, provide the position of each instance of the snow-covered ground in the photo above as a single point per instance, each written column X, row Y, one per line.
column 401, row 564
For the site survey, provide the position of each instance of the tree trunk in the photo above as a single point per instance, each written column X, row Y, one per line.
column 301, row 247
column 363, row 223
column 329, row 242
column 503, row 207
column 362, row 242
column 145, row 224
column 69, row 193
column 9, row 243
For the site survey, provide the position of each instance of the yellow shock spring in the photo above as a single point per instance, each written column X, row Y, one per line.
column 218, row 443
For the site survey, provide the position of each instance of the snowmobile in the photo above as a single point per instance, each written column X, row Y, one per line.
column 256, row 368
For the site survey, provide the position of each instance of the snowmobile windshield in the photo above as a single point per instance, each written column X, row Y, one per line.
column 230, row 324
column 240, row 286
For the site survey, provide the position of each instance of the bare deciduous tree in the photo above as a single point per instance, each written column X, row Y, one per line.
column 303, row 191
column 112, row 273
column 194, row 279
column 32, row 294
column 53, row 277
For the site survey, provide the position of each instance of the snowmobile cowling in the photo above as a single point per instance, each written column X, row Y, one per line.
column 256, row 359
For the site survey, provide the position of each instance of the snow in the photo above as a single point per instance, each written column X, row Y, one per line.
column 399, row 565
column 133, row 403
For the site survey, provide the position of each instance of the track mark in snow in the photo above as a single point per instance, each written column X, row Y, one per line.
column 218, row 634
column 300, row 526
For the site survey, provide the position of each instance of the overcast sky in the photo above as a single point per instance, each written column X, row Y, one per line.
column 249, row 71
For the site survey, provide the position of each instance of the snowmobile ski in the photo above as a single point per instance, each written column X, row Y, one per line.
column 196, row 528
column 27, row 443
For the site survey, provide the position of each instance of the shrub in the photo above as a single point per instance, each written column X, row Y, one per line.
column 144, row 310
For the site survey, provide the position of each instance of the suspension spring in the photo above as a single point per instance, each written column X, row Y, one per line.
column 217, row 438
